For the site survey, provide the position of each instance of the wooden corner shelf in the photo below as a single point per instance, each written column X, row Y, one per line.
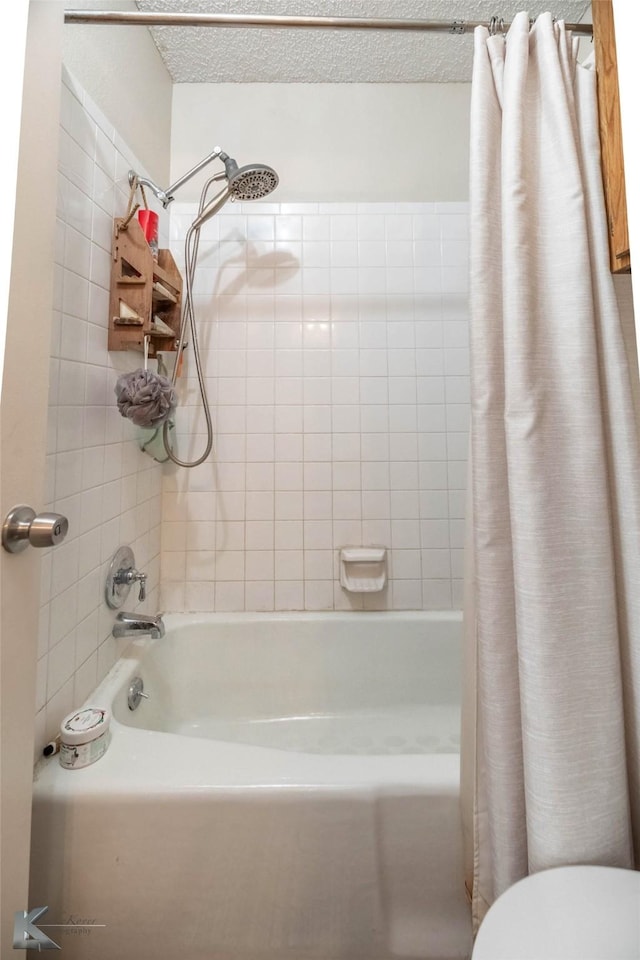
column 142, row 289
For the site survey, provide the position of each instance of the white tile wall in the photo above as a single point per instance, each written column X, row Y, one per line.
column 108, row 489
column 334, row 339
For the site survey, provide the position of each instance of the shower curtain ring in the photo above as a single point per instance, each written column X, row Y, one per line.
column 493, row 23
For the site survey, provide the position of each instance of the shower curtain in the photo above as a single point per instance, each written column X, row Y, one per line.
column 552, row 613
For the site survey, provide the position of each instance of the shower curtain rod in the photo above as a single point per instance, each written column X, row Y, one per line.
column 142, row 18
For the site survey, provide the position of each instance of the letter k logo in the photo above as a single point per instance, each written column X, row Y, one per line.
column 26, row 935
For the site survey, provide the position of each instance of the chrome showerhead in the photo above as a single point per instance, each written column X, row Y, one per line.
column 251, row 182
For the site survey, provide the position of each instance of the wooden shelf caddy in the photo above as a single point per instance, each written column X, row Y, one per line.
column 142, row 289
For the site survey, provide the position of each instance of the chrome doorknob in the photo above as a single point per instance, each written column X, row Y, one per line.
column 22, row 526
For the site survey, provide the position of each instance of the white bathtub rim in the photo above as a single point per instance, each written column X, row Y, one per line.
column 142, row 762
column 174, row 619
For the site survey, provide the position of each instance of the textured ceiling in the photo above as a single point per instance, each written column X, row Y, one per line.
column 277, row 55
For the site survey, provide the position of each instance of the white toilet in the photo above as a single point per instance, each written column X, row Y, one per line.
column 568, row 913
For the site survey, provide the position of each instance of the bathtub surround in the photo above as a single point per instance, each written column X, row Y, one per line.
column 336, row 349
column 97, row 477
column 334, row 339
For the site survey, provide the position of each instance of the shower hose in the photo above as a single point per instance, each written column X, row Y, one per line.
column 192, row 242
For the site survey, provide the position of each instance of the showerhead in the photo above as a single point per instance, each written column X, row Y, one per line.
column 251, row 182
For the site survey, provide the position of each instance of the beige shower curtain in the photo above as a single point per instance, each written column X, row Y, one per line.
column 552, row 619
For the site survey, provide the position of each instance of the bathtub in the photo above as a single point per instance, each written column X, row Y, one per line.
column 289, row 791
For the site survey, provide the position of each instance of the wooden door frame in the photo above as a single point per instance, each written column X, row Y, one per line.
column 23, row 416
column 626, row 22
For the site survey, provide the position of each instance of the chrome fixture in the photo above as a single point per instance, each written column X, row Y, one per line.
column 143, row 18
column 135, row 693
column 251, row 182
column 121, row 577
column 129, row 577
column 138, row 625
column 22, row 527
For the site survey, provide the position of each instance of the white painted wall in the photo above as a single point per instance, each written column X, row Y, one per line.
column 331, row 142
column 121, row 70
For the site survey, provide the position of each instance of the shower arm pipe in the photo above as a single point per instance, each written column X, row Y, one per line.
column 166, row 196
column 143, row 18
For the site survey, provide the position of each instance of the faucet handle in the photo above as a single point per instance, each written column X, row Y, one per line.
column 130, row 576
column 142, row 593
column 121, row 576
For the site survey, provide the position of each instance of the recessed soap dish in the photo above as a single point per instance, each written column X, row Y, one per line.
column 363, row 569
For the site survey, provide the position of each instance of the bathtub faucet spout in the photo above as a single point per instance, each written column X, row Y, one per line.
column 138, row 624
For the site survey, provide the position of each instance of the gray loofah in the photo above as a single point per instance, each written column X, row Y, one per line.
column 145, row 397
